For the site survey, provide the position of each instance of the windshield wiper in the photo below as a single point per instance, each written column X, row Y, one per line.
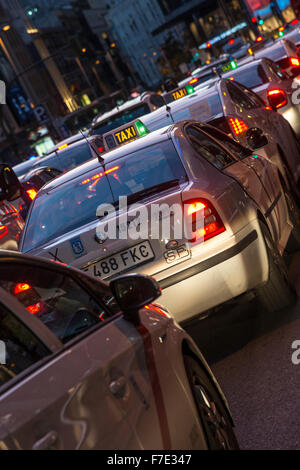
column 153, row 190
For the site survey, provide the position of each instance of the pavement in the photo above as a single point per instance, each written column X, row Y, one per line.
column 250, row 353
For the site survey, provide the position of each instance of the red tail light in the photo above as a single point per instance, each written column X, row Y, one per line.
column 211, row 225
column 21, row 287
column 3, row 231
column 295, row 62
column 193, row 81
column 295, row 21
column 34, row 309
column 238, row 126
column 277, row 98
column 31, row 193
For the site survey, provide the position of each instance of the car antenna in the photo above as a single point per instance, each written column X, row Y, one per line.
column 100, row 158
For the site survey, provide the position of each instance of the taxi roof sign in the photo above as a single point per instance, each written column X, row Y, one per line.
column 124, row 135
column 232, row 65
column 179, row 93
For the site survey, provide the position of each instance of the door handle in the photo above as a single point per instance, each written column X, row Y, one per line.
column 46, row 442
column 118, row 387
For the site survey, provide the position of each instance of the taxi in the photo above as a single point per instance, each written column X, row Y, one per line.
column 232, row 200
column 129, row 367
column 129, row 111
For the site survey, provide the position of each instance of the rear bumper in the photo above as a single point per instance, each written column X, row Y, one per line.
column 211, row 282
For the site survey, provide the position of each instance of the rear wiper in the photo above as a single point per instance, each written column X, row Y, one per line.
column 153, row 190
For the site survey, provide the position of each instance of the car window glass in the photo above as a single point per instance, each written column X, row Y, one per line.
column 71, row 205
column 250, row 76
column 22, row 347
column 231, row 144
column 238, row 97
column 56, row 299
column 209, row 149
column 157, row 100
column 276, row 70
column 256, row 101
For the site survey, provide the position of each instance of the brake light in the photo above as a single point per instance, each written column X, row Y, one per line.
column 295, row 62
column 21, row 287
column 3, row 231
column 31, row 193
column 238, row 126
column 202, row 212
column 156, row 309
column 193, row 81
column 277, row 98
column 33, row 309
column 195, row 207
column 295, row 21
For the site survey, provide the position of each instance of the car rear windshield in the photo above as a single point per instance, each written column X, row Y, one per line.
column 204, row 108
column 67, row 159
column 120, row 119
column 74, row 204
column 251, row 77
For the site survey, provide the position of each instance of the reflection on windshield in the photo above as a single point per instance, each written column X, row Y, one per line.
column 75, row 203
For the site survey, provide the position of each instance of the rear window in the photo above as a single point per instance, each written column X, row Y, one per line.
column 251, row 77
column 75, row 204
column 120, row 119
column 66, row 160
column 204, row 108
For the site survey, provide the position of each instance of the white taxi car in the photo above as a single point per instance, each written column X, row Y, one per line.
column 240, row 197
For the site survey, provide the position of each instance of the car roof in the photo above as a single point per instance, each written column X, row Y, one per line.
column 152, row 138
column 70, row 140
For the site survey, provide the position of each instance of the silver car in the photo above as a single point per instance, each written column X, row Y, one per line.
column 85, row 365
column 186, row 171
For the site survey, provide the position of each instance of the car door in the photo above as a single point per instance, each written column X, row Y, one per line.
column 90, row 386
column 247, row 168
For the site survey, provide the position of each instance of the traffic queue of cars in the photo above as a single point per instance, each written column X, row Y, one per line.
column 221, row 168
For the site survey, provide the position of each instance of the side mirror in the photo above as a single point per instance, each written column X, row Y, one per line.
column 133, row 292
column 10, row 186
column 256, row 138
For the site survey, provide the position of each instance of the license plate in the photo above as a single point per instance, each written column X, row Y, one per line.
column 123, row 261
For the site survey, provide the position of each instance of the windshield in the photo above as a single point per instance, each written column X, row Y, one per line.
column 75, row 203
column 120, row 119
column 275, row 54
column 251, row 77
